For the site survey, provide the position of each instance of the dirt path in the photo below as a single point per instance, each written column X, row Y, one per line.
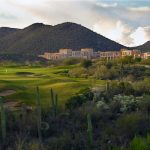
column 7, row 92
column 12, row 105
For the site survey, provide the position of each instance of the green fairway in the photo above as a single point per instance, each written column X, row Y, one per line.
column 24, row 80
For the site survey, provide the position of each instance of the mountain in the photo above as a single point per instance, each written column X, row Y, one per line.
column 39, row 38
column 4, row 31
column 144, row 47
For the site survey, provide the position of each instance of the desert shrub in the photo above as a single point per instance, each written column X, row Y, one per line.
column 78, row 99
column 86, row 63
column 121, row 88
column 132, row 124
column 75, row 101
column 144, row 104
column 78, row 72
column 130, row 78
column 100, row 72
column 145, row 62
column 109, row 64
column 127, row 103
column 139, row 72
column 87, row 93
column 137, row 143
column 113, row 73
column 142, row 87
column 140, row 143
column 71, row 61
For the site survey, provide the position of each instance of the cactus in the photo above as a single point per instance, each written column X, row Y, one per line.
column 3, row 119
column 89, row 132
column 54, row 102
column 121, row 71
column 24, row 113
column 108, row 90
column 52, row 97
column 39, row 115
column 107, row 86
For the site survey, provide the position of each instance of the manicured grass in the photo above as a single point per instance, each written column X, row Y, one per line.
column 46, row 78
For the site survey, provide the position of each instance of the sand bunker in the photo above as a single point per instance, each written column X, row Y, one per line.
column 7, row 92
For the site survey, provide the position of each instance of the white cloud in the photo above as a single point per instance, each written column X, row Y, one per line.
column 140, row 9
column 117, row 31
column 107, row 5
column 123, row 33
column 141, row 35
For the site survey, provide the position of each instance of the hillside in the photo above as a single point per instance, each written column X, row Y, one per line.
column 38, row 38
column 144, row 47
column 4, row 31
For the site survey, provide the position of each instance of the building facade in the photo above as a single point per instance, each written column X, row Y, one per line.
column 109, row 55
column 146, row 55
column 134, row 53
column 88, row 53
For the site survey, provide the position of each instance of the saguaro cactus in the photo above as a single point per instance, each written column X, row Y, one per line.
column 89, row 132
column 39, row 122
column 108, row 92
column 3, row 119
column 52, row 97
column 107, row 86
column 54, row 102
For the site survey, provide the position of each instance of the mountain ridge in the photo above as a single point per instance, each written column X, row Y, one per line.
column 144, row 47
column 38, row 38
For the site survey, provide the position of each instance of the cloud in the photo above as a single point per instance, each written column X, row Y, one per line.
column 123, row 33
column 117, row 31
column 140, row 9
column 106, row 5
column 141, row 35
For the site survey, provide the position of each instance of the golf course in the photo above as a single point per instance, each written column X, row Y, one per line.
column 18, row 84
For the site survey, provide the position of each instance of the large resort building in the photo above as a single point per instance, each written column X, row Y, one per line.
column 88, row 53
column 134, row 53
column 110, row 55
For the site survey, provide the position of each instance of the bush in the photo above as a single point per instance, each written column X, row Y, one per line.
column 86, row 63
column 145, row 62
column 78, row 72
column 140, row 143
column 75, row 101
column 128, row 103
column 71, row 61
column 142, row 87
column 121, row 88
column 132, row 124
column 100, row 72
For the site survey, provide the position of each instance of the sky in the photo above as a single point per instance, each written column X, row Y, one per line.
column 124, row 21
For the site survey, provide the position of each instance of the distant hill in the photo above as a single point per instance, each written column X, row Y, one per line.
column 38, row 38
column 4, row 31
column 144, row 47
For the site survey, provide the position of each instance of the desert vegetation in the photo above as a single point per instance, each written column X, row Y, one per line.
column 75, row 104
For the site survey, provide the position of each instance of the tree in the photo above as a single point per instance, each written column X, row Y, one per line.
column 86, row 63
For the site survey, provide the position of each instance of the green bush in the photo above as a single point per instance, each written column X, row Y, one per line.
column 86, row 63
column 140, row 143
column 78, row 72
column 71, row 61
column 75, row 101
